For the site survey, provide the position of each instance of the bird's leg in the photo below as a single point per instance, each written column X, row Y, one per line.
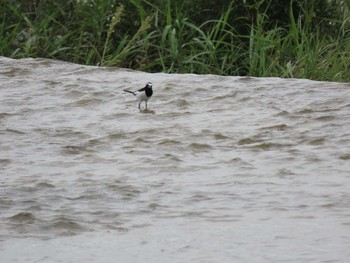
column 146, row 104
column 140, row 105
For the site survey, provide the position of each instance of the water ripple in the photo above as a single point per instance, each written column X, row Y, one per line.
column 225, row 165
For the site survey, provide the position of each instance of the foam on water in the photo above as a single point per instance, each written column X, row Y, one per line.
column 219, row 169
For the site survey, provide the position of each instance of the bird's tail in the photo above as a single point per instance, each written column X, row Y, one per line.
column 129, row 91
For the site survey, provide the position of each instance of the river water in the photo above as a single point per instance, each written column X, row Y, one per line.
column 218, row 169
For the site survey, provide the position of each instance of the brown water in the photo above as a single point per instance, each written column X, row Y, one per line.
column 219, row 169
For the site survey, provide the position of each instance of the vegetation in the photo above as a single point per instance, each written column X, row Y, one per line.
column 286, row 38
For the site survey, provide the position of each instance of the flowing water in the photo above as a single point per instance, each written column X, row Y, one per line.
column 218, row 169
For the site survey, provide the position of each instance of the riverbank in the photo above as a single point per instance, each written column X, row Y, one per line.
column 166, row 37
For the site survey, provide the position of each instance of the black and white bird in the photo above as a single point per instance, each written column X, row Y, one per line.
column 143, row 94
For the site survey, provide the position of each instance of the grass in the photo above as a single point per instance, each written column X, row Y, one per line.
column 149, row 37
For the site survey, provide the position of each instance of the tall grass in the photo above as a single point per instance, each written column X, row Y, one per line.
column 299, row 51
column 163, row 37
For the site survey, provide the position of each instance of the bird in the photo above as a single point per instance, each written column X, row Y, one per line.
column 143, row 94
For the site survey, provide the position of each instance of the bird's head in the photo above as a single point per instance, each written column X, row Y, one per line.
column 149, row 85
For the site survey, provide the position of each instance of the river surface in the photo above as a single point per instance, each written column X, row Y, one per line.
column 218, row 169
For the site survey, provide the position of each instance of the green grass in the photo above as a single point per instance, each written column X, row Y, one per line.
column 163, row 37
column 299, row 51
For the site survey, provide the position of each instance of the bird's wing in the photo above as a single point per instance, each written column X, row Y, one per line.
column 142, row 89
